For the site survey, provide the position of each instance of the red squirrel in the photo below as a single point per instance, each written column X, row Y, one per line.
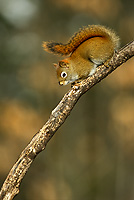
column 91, row 46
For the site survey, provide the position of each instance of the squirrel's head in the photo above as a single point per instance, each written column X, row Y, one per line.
column 64, row 72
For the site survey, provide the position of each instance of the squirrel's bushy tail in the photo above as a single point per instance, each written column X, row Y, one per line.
column 79, row 37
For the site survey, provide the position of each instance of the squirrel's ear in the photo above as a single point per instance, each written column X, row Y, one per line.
column 55, row 65
column 64, row 63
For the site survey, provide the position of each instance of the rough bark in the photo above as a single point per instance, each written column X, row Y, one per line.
column 57, row 117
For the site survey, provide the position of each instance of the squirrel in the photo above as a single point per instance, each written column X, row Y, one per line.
column 90, row 47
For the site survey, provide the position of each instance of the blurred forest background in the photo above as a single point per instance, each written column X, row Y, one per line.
column 92, row 155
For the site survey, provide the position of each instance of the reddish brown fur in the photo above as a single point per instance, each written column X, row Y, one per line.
column 79, row 37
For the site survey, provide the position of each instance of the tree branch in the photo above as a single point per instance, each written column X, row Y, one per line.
column 57, row 117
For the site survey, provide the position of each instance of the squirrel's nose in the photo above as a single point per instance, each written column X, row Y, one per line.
column 60, row 83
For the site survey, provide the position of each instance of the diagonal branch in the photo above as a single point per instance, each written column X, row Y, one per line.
column 57, row 117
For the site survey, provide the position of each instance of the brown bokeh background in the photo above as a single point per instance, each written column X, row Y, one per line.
column 92, row 155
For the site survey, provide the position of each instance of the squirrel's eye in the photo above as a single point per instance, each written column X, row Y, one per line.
column 63, row 74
